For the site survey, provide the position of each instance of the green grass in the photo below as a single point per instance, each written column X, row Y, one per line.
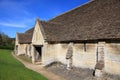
column 11, row 69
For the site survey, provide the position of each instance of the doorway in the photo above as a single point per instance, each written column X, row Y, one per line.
column 38, row 53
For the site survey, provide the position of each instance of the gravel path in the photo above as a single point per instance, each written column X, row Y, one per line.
column 40, row 69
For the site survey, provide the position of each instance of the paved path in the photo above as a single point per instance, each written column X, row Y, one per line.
column 40, row 69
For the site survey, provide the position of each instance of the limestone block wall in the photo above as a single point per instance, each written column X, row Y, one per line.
column 16, row 46
column 21, row 49
column 49, row 53
column 61, row 52
column 112, row 58
column 84, row 55
column 81, row 57
column 28, row 50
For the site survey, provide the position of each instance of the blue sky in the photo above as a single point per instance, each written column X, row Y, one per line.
column 20, row 15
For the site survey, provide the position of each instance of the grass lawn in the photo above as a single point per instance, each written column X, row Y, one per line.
column 11, row 69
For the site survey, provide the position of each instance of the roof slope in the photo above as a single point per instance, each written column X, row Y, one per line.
column 98, row 19
column 53, row 32
column 30, row 30
column 25, row 37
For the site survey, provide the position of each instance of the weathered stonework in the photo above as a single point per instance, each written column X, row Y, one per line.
column 112, row 58
column 81, row 58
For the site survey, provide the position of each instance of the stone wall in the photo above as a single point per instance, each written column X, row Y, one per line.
column 112, row 58
column 28, row 50
column 61, row 53
column 22, row 49
column 81, row 58
column 49, row 53
column 85, row 55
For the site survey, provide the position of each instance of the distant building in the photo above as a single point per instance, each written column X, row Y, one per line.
column 23, row 42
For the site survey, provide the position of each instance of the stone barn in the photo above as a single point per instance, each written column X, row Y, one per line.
column 86, row 37
column 23, row 43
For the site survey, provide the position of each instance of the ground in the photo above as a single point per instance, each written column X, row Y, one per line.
column 12, row 69
column 78, row 73
column 58, row 71
column 39, row 69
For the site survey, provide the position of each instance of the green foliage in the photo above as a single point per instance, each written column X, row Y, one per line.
column 6, row 42
column 11, row 69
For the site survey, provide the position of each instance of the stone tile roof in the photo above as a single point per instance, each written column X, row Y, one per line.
column 98, row 19
column 52, row 31
column 25, row 37
column 30, row 30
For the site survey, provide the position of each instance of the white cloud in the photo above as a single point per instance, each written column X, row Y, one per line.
column 15, row 14
column 22, row 23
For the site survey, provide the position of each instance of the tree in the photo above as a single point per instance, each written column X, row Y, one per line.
column 0, row 39
column 6, row 42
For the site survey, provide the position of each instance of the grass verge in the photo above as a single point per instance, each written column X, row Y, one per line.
column 11, row 69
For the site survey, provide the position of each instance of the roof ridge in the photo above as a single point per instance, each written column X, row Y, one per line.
column 72, row 9
column 54, row 23
column 29, row 30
